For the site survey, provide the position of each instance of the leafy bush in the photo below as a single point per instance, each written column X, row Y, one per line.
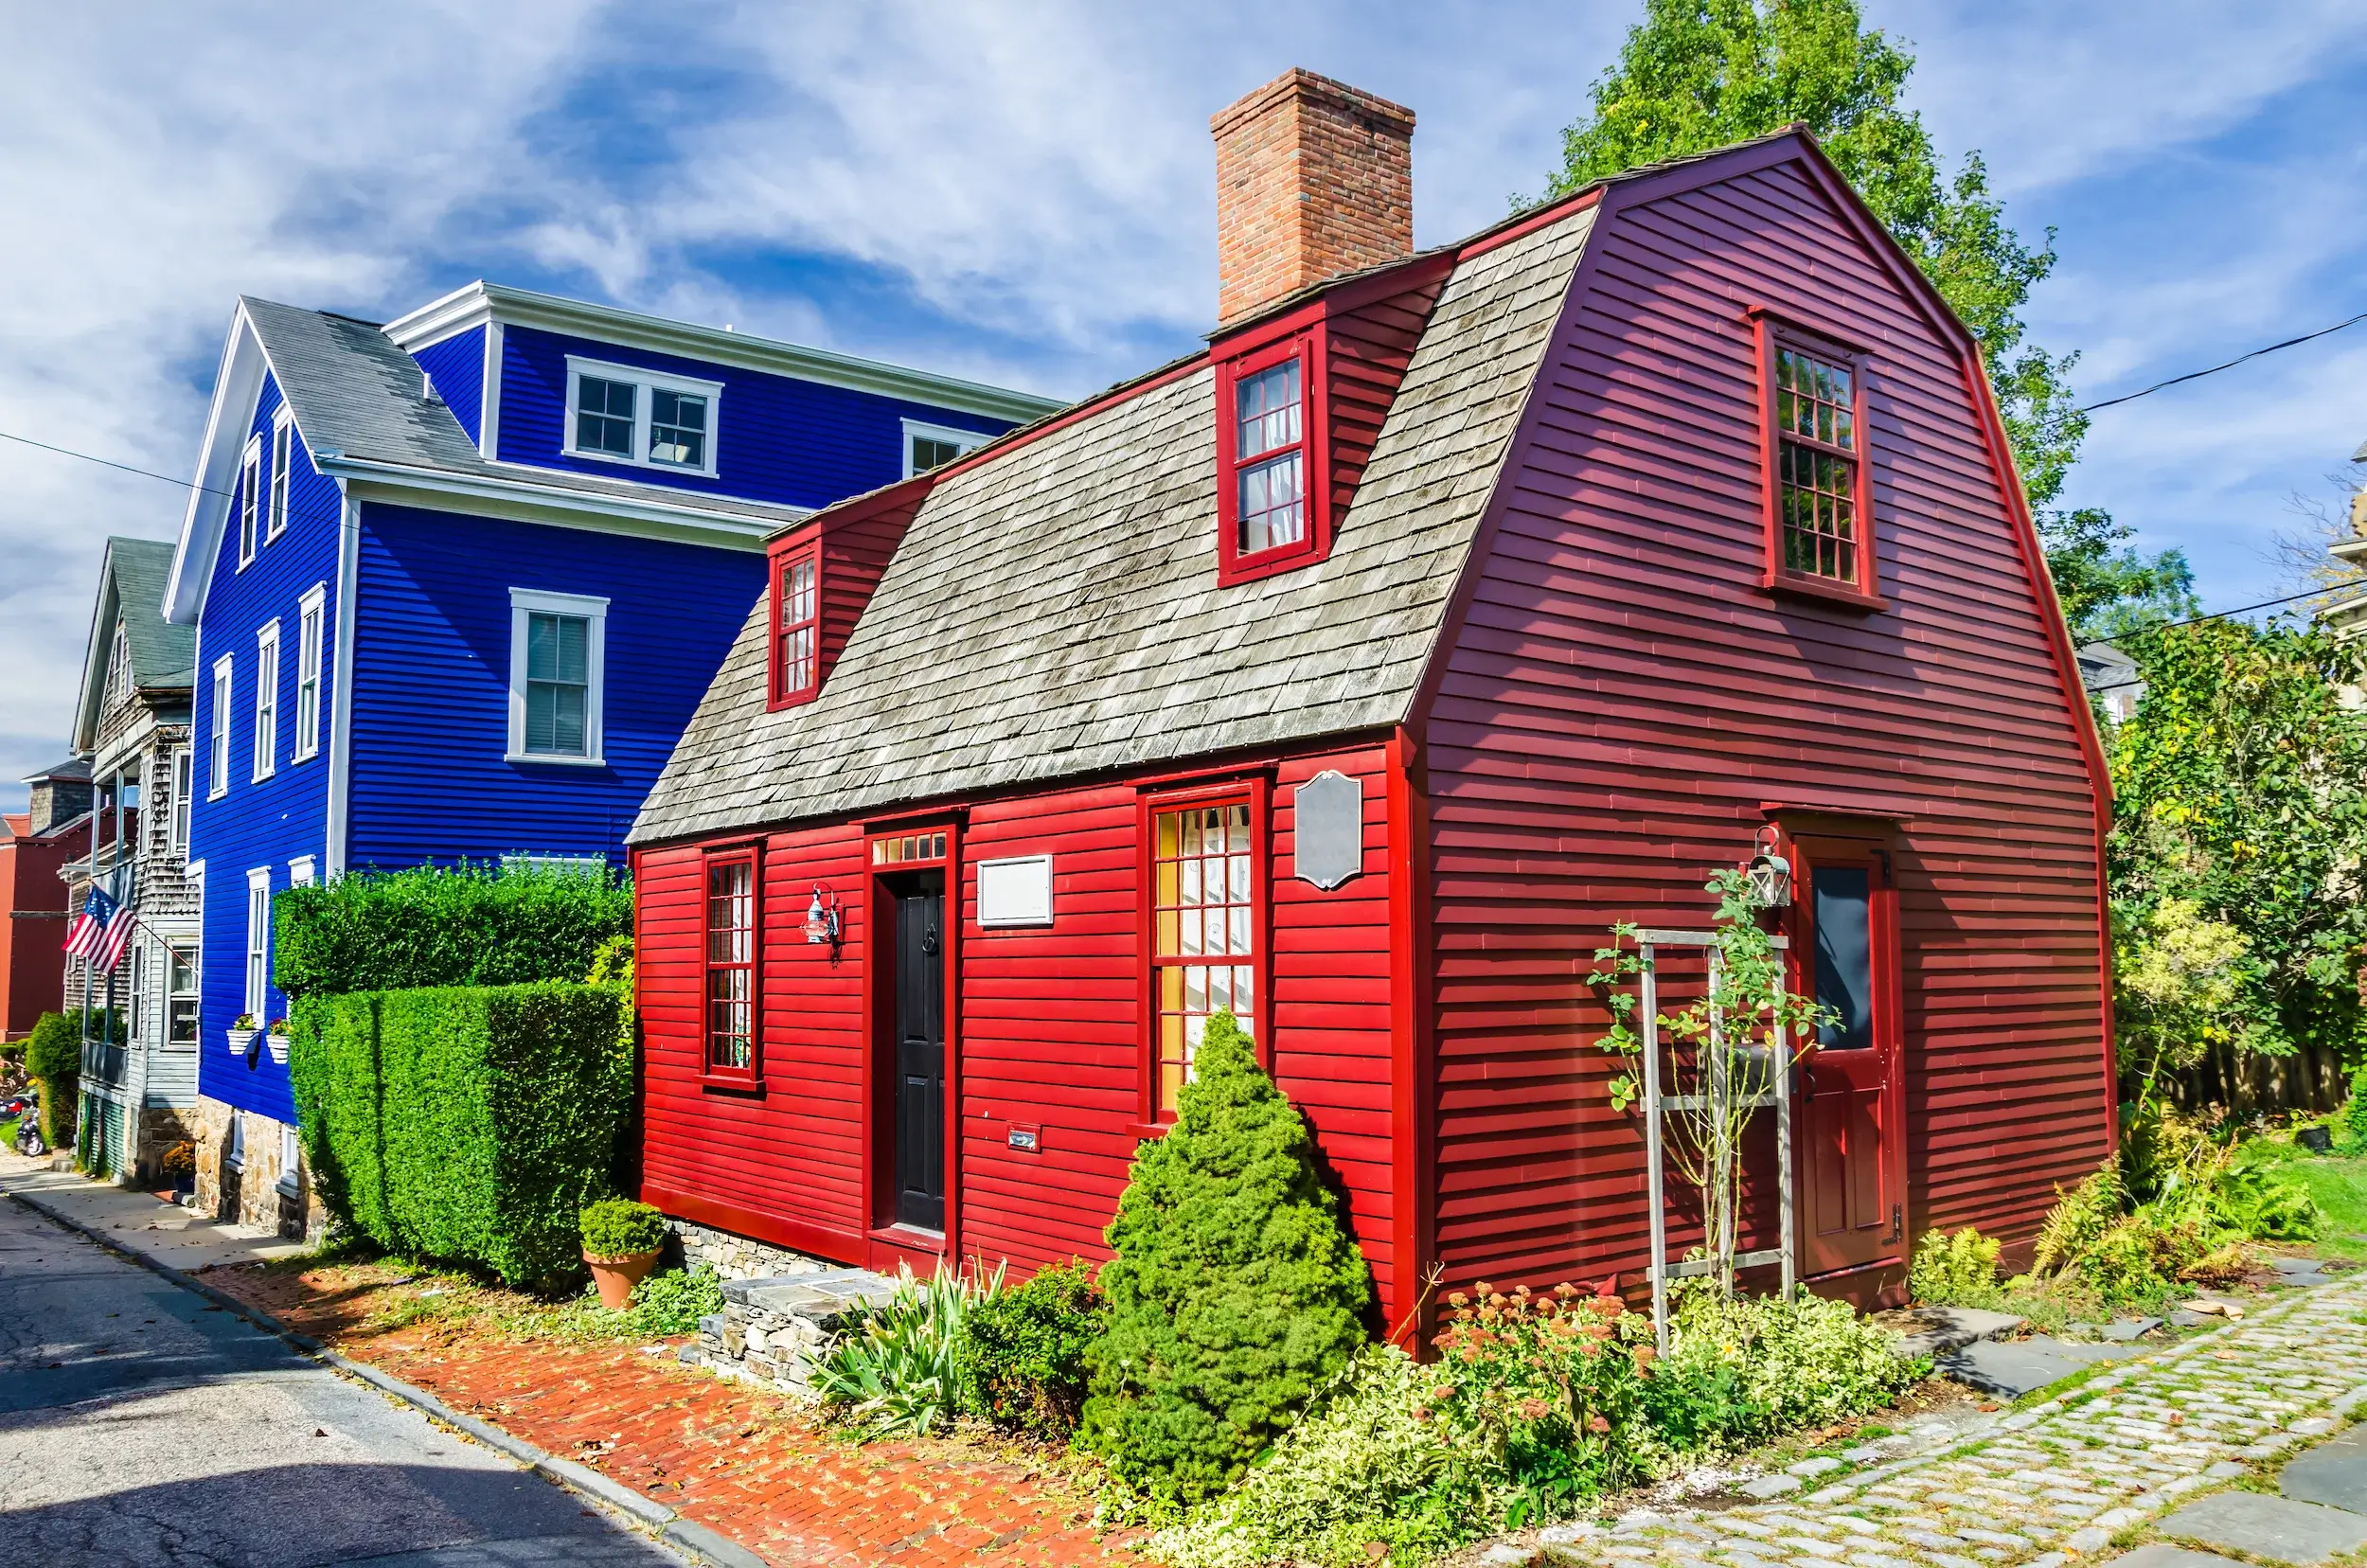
column 1234, row 1291
column 1757, row 1366
column 1373, row 1464
column 1024, row 1351
column 1954, row 1271
column 896, row 1369
column 54, row 1049
column 618, row 1227
column 437, row 926
column 673, row 1302
column 464, row 1123
column 2350, row 1123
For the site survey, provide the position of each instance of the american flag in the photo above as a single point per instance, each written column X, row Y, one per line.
column 99, row 932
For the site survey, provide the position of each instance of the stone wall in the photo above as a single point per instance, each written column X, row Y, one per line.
column 251, row 1195
column 737, row 1257
column 772, row 1330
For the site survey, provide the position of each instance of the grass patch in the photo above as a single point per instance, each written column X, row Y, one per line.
column 2339, row 1183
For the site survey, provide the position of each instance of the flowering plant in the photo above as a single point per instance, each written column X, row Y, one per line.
column 1554, row 1383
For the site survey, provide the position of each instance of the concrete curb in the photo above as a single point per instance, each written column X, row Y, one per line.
column 696, row 1540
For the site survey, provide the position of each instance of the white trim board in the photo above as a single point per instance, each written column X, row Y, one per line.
column 592, row 608
column 646, row 385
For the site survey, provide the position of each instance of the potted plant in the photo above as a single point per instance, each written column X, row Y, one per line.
column 621, row 1243
column 241, row 1033
column 276, row 1039
column 179, row 1166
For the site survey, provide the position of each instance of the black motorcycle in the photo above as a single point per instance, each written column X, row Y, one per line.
column 28, row 1138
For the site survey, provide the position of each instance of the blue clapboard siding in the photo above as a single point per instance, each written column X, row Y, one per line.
column 794, row 443
column 431, row 681
column 266, row 823
column 457, row 366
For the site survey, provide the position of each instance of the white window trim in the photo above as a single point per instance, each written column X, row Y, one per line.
column 250, row 501
column 278, row 499
column 179, row 792
column 234, row 1142
column 266, row 699
column 300, row 871
column 311, row 610
column 647, row 382
column 522, row 601
column 218, row 739
column 291, row 1152
column 968, row 440
column 258, row 974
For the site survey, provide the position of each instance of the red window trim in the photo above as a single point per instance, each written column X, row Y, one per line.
column 752, row 856
column 1254, row 791
column 1307, row 345
column 1772, row 328
column 779, row 695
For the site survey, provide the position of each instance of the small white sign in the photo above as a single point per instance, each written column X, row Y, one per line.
column 1015, row 892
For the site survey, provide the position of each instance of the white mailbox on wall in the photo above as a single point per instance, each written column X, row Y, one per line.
column 1015, row 892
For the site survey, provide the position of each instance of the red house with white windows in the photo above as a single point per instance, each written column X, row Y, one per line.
column 1358, row 673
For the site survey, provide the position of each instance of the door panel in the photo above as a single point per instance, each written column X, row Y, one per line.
column 921, row 1053
column 1844, row 939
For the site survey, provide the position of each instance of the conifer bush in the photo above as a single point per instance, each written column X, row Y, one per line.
column 1234, row 1291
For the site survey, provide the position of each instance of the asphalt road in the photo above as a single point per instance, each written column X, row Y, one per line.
column 141, row 1425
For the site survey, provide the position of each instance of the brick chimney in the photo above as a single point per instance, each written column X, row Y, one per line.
column 1313, row 179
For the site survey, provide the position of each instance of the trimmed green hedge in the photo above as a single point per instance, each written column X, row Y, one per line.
column 465, row 1123
column 473, row 925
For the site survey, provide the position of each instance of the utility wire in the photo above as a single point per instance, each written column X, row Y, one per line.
column 104, row 462
column 2196, row 375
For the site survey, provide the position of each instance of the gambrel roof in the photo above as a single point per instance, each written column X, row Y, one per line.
column 1053, row 610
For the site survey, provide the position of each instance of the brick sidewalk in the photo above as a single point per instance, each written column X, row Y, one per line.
column 745, row 1461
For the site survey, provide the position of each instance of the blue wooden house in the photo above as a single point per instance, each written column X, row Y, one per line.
column 460, row 581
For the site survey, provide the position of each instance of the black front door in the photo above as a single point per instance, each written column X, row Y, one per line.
column 920, row 1052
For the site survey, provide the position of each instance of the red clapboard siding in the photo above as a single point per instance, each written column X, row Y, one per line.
column 1367, row 349
column 1049, row 1032
column 855, row 552
column 1622, row 695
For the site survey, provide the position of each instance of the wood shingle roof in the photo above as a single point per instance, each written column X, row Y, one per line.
column 1054, row 611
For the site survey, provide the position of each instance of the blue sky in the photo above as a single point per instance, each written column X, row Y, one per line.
column 1022, row 193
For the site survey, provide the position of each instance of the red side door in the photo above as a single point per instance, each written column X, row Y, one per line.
column 1850, row 1154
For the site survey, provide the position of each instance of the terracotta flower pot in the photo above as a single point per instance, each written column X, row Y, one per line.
column 616, row 1276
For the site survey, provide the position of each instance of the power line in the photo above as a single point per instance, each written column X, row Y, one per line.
column 2196, row 375
column 106, row 462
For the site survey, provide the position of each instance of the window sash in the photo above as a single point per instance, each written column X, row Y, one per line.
column 606, row 412
column 257, row 949
column 266, row 705
column 137, row 1025
column 183, row 779
column 797, row 663
column 1204, row 933
column 276, row 523
column 558, row 684
column 1817, row 515
column 181, row 995
column 250, row 479
column 218, row 760
column 729, row 1037
column 678, row 428
column 308, row 713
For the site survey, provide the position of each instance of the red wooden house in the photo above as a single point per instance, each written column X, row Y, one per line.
column 1358, row 673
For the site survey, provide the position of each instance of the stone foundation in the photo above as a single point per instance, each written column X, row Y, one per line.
column 737, row 1257
column 771, row 1330
column 251, row 1193
column 161, row 1127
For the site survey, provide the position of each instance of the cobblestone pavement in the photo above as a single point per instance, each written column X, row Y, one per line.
column 743, row 1461
column 2041, row 1487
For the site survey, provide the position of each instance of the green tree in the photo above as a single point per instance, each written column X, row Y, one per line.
column 1694, row 75
column 2239, row 834
column 2109, row 589
column 1234, row 1291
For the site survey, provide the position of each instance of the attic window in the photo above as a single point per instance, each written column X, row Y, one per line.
column 1818, row 515
column 645, row 418
column 796, row 625
column 929, row 446
column 1269, row 446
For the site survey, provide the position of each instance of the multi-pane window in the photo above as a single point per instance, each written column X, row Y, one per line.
column 257, row 943
column 250, row 482
column 1204, row 934
column 281, row 442
column 1817, row 455
column 138, row 1012
column 308, row 694
column 184, row 781
column 678, row 429
column 1271, row 457
column 181, row 995
column 604, row 415
column 731, row 924
column 267, row 701
column 930, row 452
column 218, row 750
column 908, row 847
column 799, row 639
column 119, row 665
column 558, row 682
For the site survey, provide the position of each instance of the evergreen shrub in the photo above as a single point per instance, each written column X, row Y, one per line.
column 1234, row 1292
column 1024, row 1351
column 53, row 1060
column 466, row 1123
column 469, row 925
column 618, row 1227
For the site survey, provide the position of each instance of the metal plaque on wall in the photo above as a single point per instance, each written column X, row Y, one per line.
column 1328, row 818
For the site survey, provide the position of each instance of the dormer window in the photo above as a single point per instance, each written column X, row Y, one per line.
column 796, row 625
column 929, row 446
column 1269, row 454
column 620, row 414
